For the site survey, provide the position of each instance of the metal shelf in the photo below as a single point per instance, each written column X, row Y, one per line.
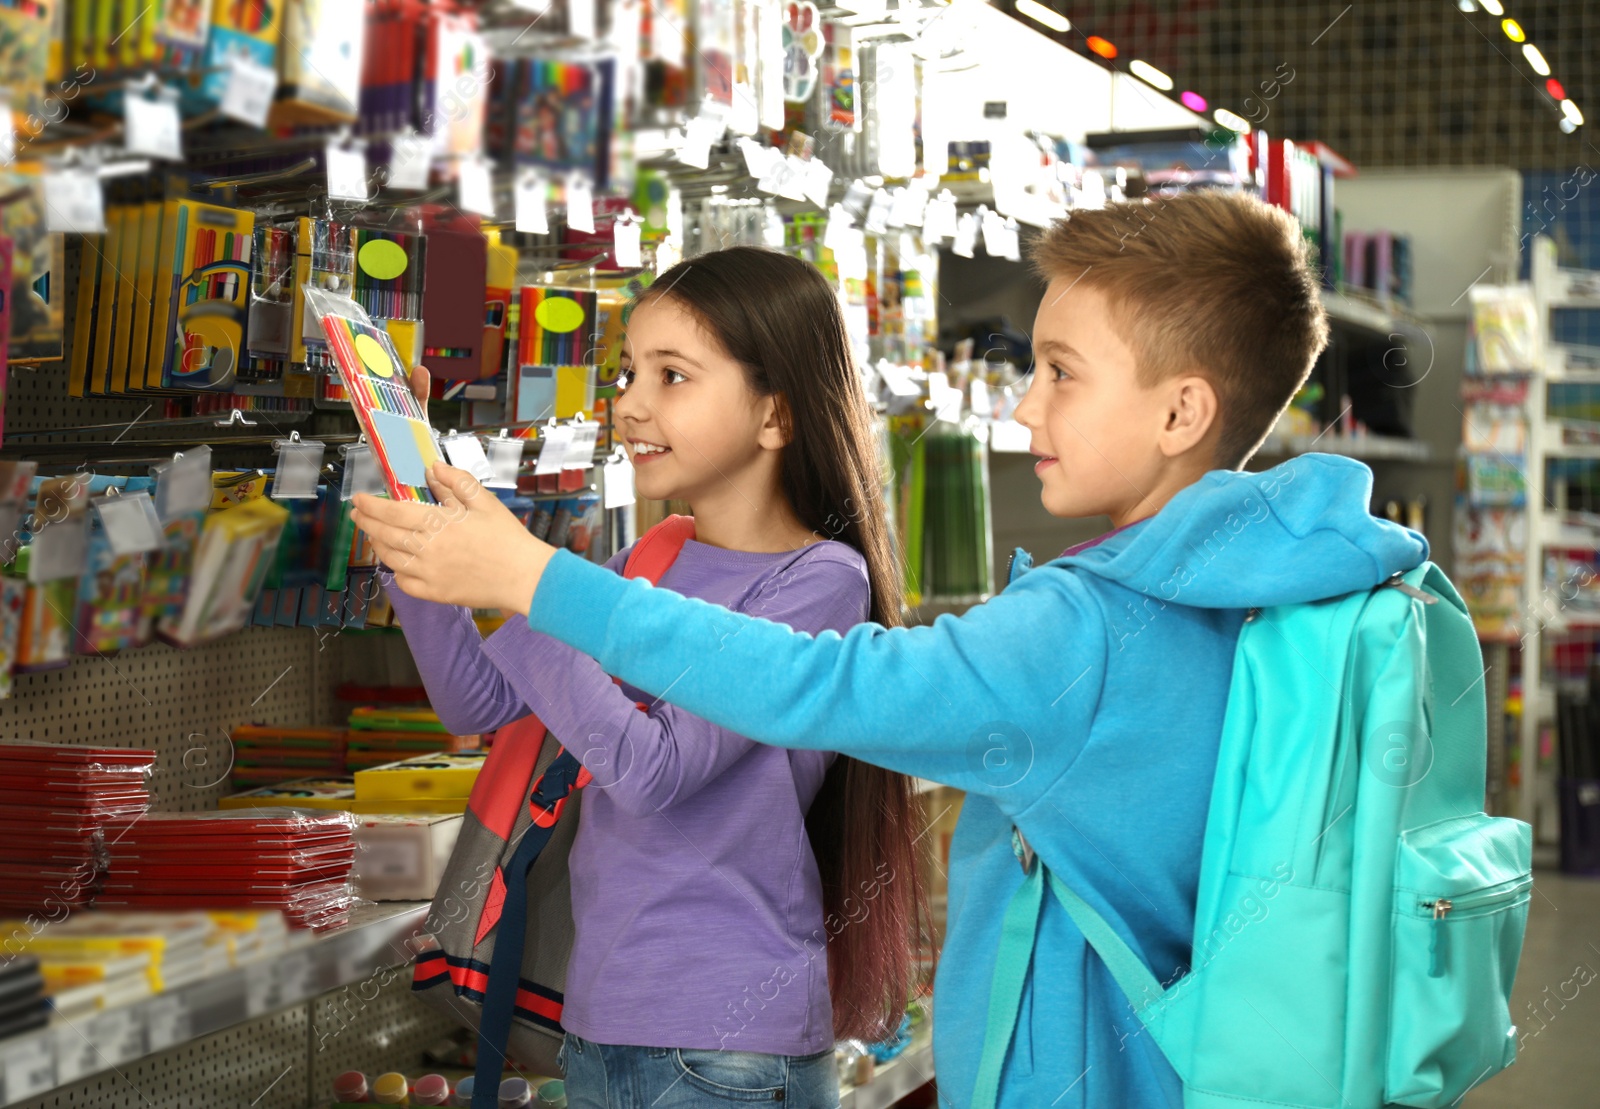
column 896, row 1078
column 37, row 1062
column 1369, row 315
column 1370, row 447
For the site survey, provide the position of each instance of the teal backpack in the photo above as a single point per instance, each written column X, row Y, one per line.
column 1348, row 802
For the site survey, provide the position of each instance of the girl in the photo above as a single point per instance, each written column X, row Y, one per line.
column 737, row 908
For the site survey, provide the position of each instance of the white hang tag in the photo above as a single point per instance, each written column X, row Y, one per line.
column 8, row 133
column 980, row 402
column 1010, row 246
column 898, row 379
column 939, row 220
column 579, row 454
column 553, row 449
column 532, row 216
column 625, row 251
column 834, row 234
column 994, row 233
column 818, row 182
column 774, row 230
column 851, row 257
column 152, row 127
column 183, row 485
column 505, row 458
column 792, row 179
column 698, row 136
column 362, row 474
column 347, row 171
column 966, row 235
column 74, row 201
column 674, row 213
column 299, row 464
column 410, row 160
column 758, row 159
column 60, row 549
column 248, row 94
column 776, row 172
column 474, row 188
column 619, row 480
column 945, row 401
column 580, row 206
column 580, row 18
column 465, row 452
column 877, row 220
column 131, row 523
column 910, row 204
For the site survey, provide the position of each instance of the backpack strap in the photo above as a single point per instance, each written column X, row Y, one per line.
column 1019, row 932
column 658, row 548
column 650, row 558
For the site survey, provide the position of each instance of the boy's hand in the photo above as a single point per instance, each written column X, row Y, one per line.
column 466, row 550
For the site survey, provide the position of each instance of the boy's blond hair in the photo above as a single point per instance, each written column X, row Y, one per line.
column 1211, row 282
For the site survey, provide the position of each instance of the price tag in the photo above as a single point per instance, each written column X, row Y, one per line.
column 1010, row 246
column 465, row 452
column 580, row 206
column 505, row 456
column 28, row 1068
column 758, row 159
column 73, row 201
column 619, row 480
column 909, row 205
column 8, row 133
column 249, row 92
column 834, row 234
column 981, row 404
column 130, row 523
column 152, row 127
column 1010, row 437
column 944, row 400
column 818, row 181
column 532, row 219
column 994, row 233
column 475, row 191
column 263, row 989
column 898, row 379
column 625, row 247
column 851, row 256
column 553, row 452
column 939, row 220
column 579, row 454
column 966, row 235
column 183, row 485
column 698, row 135
column 362, row 474
column 294, row 978
column 60, row 550
column 580, row 18
column 119, row 1035
column 347, row 171
column 166, row 1022
column 877, row 220
column 410, row 159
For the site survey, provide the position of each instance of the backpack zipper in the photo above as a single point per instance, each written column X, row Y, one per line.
column 1397, row 581
column 1477, row 903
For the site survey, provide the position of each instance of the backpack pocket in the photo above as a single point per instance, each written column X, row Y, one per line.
column 1460, row 906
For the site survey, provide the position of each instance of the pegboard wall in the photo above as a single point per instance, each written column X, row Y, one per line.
column 374, row 1025
column 1404, row 83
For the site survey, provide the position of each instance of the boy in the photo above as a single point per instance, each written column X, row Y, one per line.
column 1082, row 706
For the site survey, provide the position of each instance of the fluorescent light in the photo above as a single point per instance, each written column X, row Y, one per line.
column 1570, row 110
column 1493, row 7
column 1193, row 101
column 1513, row 30
column 1150, row 75
column 1536, row 59
column 1231, row 121
column 1041, row 14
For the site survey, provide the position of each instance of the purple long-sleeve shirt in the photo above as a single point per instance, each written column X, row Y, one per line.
column 696, row 900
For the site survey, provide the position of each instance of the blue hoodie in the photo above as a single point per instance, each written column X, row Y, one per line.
column 1084, row 702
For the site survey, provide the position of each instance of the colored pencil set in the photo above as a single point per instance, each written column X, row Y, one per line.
column 376, row 384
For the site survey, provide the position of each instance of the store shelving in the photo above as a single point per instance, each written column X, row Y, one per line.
column 374, row 941
column 898, row 1077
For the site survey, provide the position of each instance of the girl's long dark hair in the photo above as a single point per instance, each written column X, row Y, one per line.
column 780, row 319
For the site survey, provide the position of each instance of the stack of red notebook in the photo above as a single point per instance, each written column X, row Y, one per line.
column 59, row 805
column 297, row 860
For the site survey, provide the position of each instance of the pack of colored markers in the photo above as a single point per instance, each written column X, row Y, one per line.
column 377, row 381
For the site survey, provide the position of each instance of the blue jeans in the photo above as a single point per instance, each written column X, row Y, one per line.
column 606, row 1076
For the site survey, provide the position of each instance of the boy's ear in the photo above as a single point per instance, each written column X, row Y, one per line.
column 776, row 423
column 1191, row 415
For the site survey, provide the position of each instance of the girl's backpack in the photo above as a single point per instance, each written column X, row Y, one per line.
column 1350, row 781
column 497, row 939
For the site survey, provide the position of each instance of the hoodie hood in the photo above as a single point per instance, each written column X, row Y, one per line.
column 1301, row 531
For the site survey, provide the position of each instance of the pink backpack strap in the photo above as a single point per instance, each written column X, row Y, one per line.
column 658, row 548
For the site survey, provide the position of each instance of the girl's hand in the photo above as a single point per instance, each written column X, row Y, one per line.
column 466, row 550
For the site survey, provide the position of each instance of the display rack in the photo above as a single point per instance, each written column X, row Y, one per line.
column 893, row 1080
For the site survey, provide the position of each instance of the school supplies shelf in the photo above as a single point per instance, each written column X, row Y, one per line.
column 272, row 979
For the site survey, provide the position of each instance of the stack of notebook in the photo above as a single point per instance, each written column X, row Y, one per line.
column 291, row 859
column 58, row 806
column 23, row 1005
